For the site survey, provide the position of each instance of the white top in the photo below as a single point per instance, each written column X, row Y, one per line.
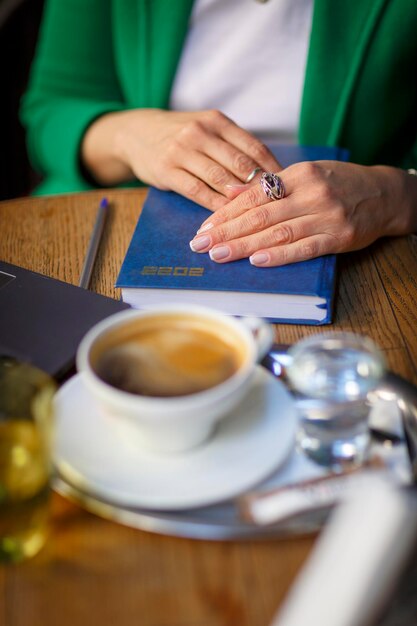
column 248, row 60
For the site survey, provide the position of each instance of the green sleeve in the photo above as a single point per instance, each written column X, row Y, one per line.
column 73, row 81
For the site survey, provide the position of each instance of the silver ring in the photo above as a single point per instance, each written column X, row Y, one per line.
column 272, row 186
column 253, row 173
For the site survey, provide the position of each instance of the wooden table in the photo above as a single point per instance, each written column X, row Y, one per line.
column 96, row 572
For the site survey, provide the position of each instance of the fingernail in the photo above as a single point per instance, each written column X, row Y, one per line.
column 259, row 258
column 219, row 253
column 205, row 227
column 198, row 244
column 236, row 186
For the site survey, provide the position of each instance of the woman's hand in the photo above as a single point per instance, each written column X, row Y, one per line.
column 328, row 207
column 197, row 154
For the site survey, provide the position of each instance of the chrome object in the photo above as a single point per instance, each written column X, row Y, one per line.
column 405, row 396
column 252, row 174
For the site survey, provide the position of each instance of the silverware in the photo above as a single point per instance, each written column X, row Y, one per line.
column 404, row 394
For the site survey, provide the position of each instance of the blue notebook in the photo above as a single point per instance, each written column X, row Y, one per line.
column 159, row 266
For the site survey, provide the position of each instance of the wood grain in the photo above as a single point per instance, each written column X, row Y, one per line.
column 50, row 235
column 94, row 571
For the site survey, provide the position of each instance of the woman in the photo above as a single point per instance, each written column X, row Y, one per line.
column 112, row 99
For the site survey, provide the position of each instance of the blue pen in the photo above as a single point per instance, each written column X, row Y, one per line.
column 94, row 244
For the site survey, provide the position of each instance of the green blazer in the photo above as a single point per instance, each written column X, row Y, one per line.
column 96, row 56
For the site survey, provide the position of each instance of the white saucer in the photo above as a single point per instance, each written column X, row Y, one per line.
column 93, row 454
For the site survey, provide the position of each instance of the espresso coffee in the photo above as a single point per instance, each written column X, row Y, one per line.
column 167, row 356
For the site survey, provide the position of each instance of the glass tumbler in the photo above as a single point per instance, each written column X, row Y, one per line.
column 26, row 403
column 332, row 375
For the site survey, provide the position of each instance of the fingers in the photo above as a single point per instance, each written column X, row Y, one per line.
column 200, row 154
column 322, row 213
column 221, row 154
column 289, row 242
column 246, row 143
column 308, row 248
column 275, row 233
column 199, row 138
column 196, row 190
column 236, row 240
column 252, row 197
column 210, row 170
column 253, row 221
column 237, row 163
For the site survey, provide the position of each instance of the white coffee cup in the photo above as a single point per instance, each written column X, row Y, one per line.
column 179, row 422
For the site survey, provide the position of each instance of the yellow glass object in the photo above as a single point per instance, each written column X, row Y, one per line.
column 26, row 420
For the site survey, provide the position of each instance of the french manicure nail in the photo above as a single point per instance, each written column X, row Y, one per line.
column 198, row 244
column 220, row 253
column 259, row 258
column 204, row 228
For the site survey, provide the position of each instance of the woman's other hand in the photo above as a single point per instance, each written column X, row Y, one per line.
column 201, row 155
column 328, row 207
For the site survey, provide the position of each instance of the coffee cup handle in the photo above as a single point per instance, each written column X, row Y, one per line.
column 263, row 334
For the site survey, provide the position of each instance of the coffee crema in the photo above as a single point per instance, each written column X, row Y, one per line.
column 168, row 357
